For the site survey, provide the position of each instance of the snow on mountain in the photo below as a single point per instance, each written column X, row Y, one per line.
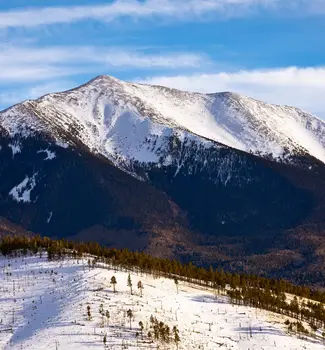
column 126, row 121
column 21, row 192
column 44, row 305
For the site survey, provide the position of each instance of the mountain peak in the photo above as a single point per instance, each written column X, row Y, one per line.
column 103, row 78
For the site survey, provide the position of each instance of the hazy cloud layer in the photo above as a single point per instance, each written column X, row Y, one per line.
column 301, row 87
column 35, row 64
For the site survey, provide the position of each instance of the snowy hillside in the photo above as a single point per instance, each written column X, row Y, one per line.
column 44, row 305
column 132, row 122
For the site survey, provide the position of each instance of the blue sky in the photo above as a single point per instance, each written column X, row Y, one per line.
column 268, row 49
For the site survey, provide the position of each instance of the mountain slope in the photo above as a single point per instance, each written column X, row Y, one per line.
column 44, row 305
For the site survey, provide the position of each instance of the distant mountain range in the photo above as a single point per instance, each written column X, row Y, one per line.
column 216, row 179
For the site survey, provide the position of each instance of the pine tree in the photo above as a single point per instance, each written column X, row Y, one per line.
column 88, row 313
column 113, row 282
column 130, row 284
column 176, row 336
column 140, row 287
column 141, row 328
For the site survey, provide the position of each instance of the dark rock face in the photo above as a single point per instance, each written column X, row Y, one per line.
column 215, row 205
column 74, row 191
column 228, row 192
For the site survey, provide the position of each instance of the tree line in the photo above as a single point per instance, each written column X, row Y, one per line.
column 252, row 290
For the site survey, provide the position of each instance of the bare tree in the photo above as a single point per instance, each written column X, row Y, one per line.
column 130, row 283
column 130, row 315
column 176, row 283
column 108, row 316
column 140, row 287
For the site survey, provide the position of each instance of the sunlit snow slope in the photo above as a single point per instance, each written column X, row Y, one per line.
column 126, row 121
column 43, row 305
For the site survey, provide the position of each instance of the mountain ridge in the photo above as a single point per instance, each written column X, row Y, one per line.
column 113, row 106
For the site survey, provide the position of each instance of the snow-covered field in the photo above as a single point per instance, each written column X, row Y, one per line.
column 43, row 305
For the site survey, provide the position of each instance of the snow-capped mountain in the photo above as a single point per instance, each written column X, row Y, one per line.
column 225, row 179
column 129, row 122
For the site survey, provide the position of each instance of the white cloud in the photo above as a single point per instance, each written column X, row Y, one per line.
column 120, row 58
column 28, row 73
column 177, row 9
column 113, row 56
column 301, row 87
column 36, row 64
